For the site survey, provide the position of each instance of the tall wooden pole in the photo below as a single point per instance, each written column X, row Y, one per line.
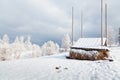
column 81, row 24
column 72, row 25
column 101, row 22
column 106, row 24
column 119, row 36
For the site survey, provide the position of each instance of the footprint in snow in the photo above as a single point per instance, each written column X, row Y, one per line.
column 59, row 69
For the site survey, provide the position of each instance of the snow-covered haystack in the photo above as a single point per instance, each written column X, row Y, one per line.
column 100, row 54
column 89, row 49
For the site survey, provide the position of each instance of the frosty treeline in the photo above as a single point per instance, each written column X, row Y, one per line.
column 22, row 48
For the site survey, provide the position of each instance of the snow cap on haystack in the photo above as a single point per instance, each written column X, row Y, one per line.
column 89, row 43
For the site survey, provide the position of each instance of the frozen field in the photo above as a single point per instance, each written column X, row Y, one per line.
column 57, row 67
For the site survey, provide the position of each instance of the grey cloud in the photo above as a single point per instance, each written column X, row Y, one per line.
column 51, row 19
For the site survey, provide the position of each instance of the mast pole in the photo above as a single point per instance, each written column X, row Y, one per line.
column 81, row 24
column 72, row 25
column 101, row 22
column 119, row 36
column 106, row 24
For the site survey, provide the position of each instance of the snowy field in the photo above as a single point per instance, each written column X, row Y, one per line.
column 57, row 67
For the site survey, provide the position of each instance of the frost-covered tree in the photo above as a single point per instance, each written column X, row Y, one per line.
column 6, row 49
column 22, row 43
column 36, row 52
column 22, row 40
column 5, row 39
column 44, row 49
column 5, row 53
column 66, row 42
column 16, row 48
column 57, row 47
column 50, row 48
column 16, row 40
column 111, row 36
column 28, row 43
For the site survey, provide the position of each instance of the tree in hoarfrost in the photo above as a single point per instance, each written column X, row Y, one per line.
column 5, row 39
column 16, row 41
column 16, row 48
column 66, row 42
column 57, row 47
column 50, row 48
column 5, row 49
column 36, row 51
column 111, row 36
column 28, row 43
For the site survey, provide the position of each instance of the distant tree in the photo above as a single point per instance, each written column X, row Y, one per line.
column 21, row 39
column 57, row 47
column 5, row 48
column 36, row 51
column 16, row 48
column 44, row 47
column 66, row 42
column 5, row 53
column 50, row 48
column 28, row 43
column 16, row 40
column 5, row 39
column 111, row 36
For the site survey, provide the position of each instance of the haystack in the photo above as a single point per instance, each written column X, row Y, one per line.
column 89, row 54
column 89, row 49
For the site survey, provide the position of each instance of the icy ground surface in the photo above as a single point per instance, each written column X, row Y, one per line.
column 58, row 68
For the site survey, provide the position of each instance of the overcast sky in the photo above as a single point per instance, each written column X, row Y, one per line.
column 47, row 20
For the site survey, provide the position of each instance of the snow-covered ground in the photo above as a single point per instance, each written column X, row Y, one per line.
column 57, row 67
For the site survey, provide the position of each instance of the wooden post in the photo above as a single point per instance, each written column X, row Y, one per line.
column 81, row 24
column 119, row 36
column 101, row 22
column 72, row 25
column 106, row 24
